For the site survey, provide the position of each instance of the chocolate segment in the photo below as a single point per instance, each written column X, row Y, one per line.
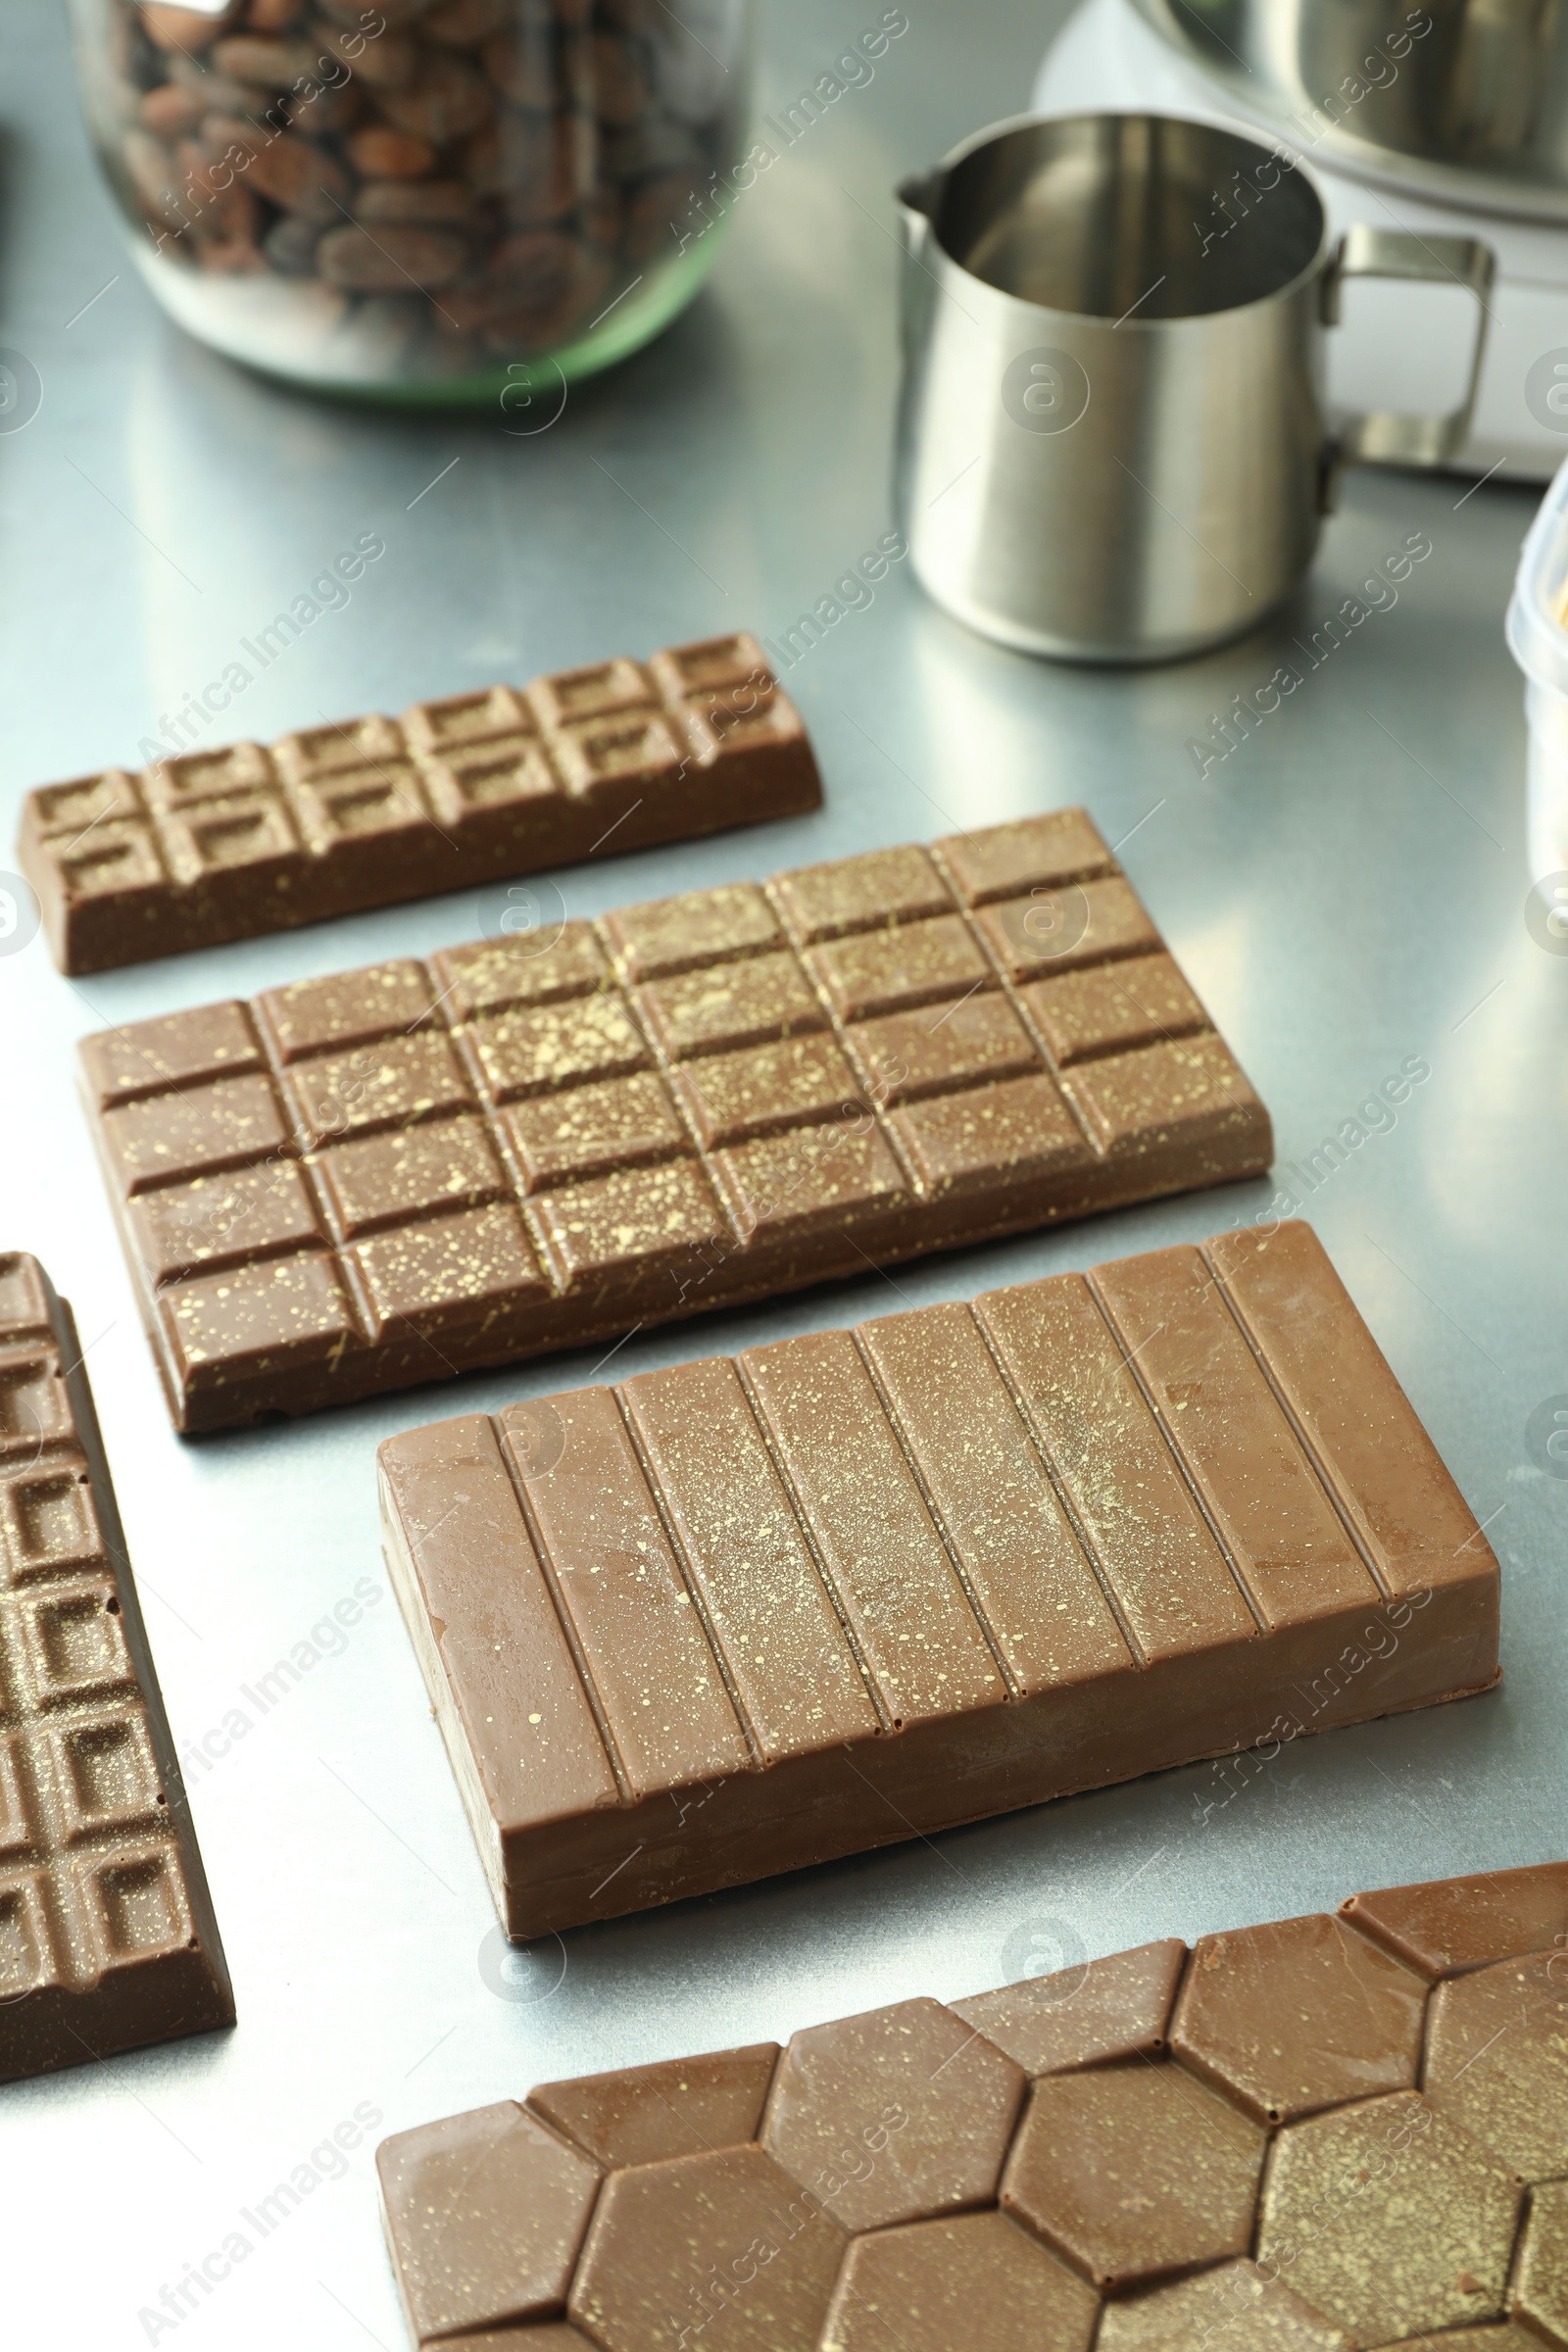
column 228, row 844
column 1197, row 2164
column 741, row 1615
column 1426, row 2247
column 1451, row 1924
column 539, row 1142
column 1237, row 2305
column 1344, row 2019
column 899, row 2182
column 107, row 1935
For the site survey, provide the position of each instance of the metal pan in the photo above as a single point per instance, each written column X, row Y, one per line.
column 1467, row 98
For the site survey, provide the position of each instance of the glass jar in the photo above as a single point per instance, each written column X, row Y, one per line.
column 419, row 199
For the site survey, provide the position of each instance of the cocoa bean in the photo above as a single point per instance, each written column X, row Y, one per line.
column 169, row 111
column 433, row 203
column 522, row 69
column 467, row 308
column 378, row 152
column 330, row 109
column 218, row 93
column 658, row 215
column 219, row 215
column 620, row 80
column 446, row 99
column 385, row 60
column 386, row 261
column 465, row 23
column 301, row 177
column 269, row 65
column 545, row 169
column 353, row 13
column 601, row 218
column 574, row 72
column 542, row 274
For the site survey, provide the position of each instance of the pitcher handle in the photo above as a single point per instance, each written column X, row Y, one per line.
column 1387, row 436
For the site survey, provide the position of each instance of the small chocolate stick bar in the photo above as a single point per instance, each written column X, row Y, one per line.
column 107, row 1935
column 1328, row 2132
column 749, row 1613
column 543, row 1141
column 222, row 845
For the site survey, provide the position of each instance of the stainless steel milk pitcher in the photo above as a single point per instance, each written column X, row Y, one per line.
column 1113, row 444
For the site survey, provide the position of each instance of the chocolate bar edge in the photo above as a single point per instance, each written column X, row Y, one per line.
column 1516, row 1941
column 292, row 1397
column 529, row 1912
column 212, row 2001
column 1237, row 1691
column 790, row 787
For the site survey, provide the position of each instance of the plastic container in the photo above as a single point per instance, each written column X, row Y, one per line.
column 1538, row 639
column 419, row 199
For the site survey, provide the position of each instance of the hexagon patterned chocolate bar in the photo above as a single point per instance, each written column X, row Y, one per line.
column 744, row 1614
column 107, row 1935
column 542, row 1141
column 209, row 846
column 1240, row 2148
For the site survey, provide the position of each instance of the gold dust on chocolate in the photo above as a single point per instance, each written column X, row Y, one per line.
column 897, row 2182
column 107, row 1937
column 222, row 845
column 748, row 1614
column 1425, row 2216
column 359, row 1183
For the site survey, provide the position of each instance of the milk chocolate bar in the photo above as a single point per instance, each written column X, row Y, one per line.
column 107, row 1935
column 222, row 845
column 547, row 1140
column 1343, row 2130
column 754, row 1612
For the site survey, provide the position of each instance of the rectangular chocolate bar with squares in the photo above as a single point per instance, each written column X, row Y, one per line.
column 210, row 845
column 547, row 1139
column 107, row 1935
column 741, row 1615
column 1325, row 2133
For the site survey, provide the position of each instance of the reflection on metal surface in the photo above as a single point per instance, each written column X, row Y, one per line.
column 1476, row 88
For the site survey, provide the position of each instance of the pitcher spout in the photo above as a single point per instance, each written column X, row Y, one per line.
column 917, row 199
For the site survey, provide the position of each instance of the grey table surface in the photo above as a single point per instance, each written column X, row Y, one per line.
column 1347, row 890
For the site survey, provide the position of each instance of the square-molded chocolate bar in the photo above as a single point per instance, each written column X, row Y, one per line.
column 749, row 1613
column 107, row 1935
column 225, row 844
column 548, row 1140
column 1326, row 2134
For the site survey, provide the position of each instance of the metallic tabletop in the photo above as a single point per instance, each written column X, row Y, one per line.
column 1345, row 887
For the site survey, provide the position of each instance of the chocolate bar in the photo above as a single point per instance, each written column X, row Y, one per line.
column 744, row 1614
column 545, row 1141
column 107, row 1935
column 1328, row 2132
column 222, row 845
